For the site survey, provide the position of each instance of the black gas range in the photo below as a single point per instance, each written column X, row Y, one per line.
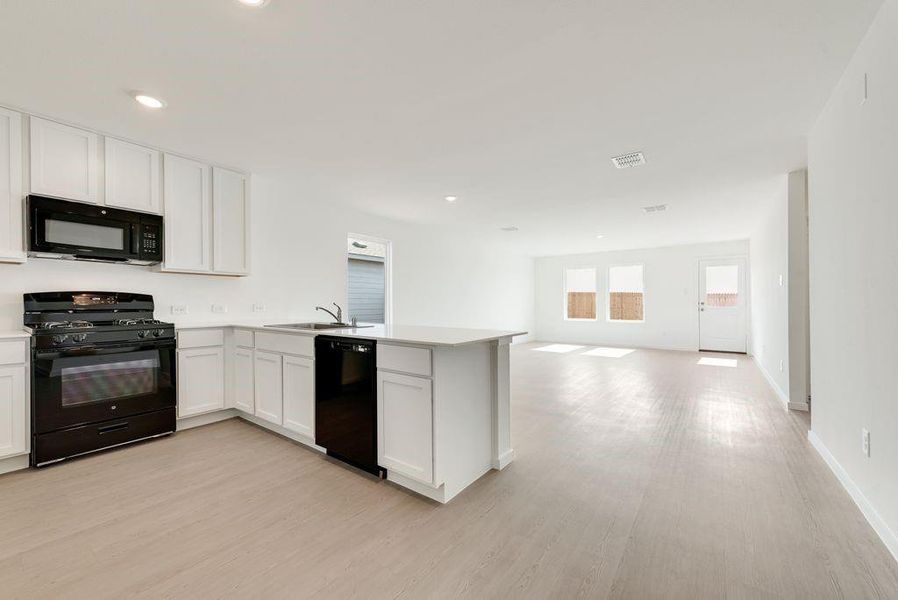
column 103, row 372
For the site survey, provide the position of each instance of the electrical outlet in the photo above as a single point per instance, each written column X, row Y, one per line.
column 179, row 309
column 781, row 281
column 865, row 90
column 258, row 308
column 865, row 442
column 781, row 366
column 219, row 308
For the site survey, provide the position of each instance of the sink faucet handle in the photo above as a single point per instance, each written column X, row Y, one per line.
column 339, row 313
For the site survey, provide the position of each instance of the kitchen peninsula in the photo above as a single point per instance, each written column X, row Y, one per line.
column 443, row 399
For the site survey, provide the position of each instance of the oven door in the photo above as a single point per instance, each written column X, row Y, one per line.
column 83, row 235
column 76, row 386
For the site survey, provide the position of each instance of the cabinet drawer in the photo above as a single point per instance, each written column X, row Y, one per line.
column 243, row 338
column 302, row 345
column 405, row 359
column 198, row 338
column 13, row 352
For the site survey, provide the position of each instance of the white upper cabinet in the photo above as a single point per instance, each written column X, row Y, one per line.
column 231, row 217
column 12, row 248
column 133, row 176
column 64, row 161
column 188, row 208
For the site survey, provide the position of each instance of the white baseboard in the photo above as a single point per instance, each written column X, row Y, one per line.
column 783, row 396
column 14, row 463
column 206, row 419
column 887, row 536
column 505, row 459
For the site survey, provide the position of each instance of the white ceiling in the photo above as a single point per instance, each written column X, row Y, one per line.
column 515, row 106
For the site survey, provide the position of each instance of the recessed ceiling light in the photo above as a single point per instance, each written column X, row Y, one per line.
column 509, row 228
column 598, row 237
column 148, row 101
column 253, row 3
column 655, row 208
column 451, row 198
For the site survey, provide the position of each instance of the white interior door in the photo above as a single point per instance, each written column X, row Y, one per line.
column 722, row 305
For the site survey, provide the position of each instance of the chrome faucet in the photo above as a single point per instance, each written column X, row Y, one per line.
column 338, row 316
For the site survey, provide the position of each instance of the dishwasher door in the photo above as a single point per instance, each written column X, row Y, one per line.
column 346, row 400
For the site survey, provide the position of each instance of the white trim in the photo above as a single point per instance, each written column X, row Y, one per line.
column 388, row 272
column 14, row 463
column 189, row 422
column 887, row 536
column 783, row 396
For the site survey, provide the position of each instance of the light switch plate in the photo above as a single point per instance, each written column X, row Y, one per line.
column 219, row 308
column 865, row 442
column 258, row 308
column 179, row 309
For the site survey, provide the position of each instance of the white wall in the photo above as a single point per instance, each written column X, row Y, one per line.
column 671, row 296
column 853, row 188
column 769, row 300
column 299, row 260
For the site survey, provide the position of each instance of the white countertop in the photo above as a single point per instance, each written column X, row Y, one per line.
column 410, row 334
column 14, row 333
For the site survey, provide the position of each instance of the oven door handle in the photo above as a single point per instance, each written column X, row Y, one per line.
column 101, row 350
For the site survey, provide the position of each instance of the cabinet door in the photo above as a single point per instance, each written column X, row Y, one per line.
column 63, row 161
column 200, row 380
column 11, row 205
column 269, row 387
column 244, row 389
column 13, row 423
column 188, row 206
column 132, row 176
column 405, row 425
column 231, row 215
column 299, row 395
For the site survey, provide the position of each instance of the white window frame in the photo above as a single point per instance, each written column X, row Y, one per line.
column 567, row 268
column 645, row 295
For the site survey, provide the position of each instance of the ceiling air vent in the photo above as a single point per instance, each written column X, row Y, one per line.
column 625, row 161
column 654, row 209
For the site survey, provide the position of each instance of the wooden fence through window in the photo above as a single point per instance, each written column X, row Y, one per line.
column 625, row 306
column 581, row 305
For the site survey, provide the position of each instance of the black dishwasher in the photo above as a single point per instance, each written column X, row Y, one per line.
column 346, row 400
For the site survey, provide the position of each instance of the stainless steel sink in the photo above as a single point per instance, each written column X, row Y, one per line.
column 315, row 326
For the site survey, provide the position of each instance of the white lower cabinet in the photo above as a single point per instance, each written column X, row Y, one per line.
column 405, row 425
column 200, row 380
column 13, row 421
column 244, row 386
column 269, row 386
column 299, row 395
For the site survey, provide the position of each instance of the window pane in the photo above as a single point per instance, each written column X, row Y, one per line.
column 722, row 285
column 625, row 293
column 580, row 293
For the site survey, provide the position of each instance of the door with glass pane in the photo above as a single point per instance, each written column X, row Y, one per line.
column 722, row 305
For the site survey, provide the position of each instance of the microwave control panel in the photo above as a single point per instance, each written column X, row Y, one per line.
column 150, row 241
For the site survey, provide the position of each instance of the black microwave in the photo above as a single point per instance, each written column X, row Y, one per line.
column 65, row 229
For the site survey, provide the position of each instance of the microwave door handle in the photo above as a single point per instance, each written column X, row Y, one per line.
column 135, row 239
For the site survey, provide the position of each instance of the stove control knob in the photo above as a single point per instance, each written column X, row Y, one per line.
column 157, row 332
column 59, row 339
column 79, row 337
column 142, row 333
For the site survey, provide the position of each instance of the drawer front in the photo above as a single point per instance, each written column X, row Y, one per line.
column 284, row 343
column 405, row 359
column 199, row 338
column 13, row 352
column 243, row 338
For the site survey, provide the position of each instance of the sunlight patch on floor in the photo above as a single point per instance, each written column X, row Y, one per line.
column 609, row 352
column 558, row 348
column 717, row 362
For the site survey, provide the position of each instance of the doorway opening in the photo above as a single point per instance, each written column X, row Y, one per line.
column 369, row 279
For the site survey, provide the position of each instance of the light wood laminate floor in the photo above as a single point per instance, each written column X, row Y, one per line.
column 646, row 476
